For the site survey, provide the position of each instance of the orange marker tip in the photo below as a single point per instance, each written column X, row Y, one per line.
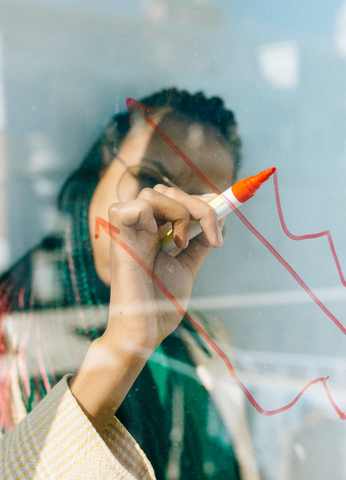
column 246, row 188
column 96, row 236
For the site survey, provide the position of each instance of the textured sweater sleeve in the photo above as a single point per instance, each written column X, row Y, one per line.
column 56, row 440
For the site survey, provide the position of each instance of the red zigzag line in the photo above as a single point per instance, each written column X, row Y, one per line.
column 112, row 231
column 140, row 110
column 325, row 233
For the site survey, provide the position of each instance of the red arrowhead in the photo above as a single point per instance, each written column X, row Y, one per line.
column 107, row 227
column 139, row 107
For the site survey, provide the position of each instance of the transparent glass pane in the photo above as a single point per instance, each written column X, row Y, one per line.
column 272, row 299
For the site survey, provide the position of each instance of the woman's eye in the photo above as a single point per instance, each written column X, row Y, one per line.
column 148, row 181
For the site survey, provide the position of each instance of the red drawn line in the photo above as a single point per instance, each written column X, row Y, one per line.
column 107, row 227
column 308, row 236
column 337, row 409
column 289, row 269
column 112, row 232
column 138, row 107
column 21, row 353
column 5, row 308
column 140, row 110
column 5, row 418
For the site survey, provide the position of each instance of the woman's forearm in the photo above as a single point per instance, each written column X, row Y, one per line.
column 105, row 377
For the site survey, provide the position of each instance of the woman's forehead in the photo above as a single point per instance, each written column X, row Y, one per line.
column 203, row 144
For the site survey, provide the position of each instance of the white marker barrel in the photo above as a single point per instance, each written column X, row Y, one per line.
column 222, row 209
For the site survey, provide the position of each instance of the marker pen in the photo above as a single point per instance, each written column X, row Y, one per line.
column 239, row 193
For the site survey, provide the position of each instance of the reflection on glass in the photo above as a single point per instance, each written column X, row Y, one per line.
column 282, row 68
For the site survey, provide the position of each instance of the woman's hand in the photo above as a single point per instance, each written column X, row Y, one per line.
column 140, row 315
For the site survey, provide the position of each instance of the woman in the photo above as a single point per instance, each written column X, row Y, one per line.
column 119, row 373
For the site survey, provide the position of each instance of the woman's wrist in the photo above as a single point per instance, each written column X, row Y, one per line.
column 104, row 379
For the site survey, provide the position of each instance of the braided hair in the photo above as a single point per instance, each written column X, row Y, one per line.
column 196, row 107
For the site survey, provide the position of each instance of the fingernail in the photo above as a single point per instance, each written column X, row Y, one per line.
column 187, row 238
column 219, row 236
column 154, row 225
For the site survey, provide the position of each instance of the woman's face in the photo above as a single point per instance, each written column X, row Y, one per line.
column 203, row 145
